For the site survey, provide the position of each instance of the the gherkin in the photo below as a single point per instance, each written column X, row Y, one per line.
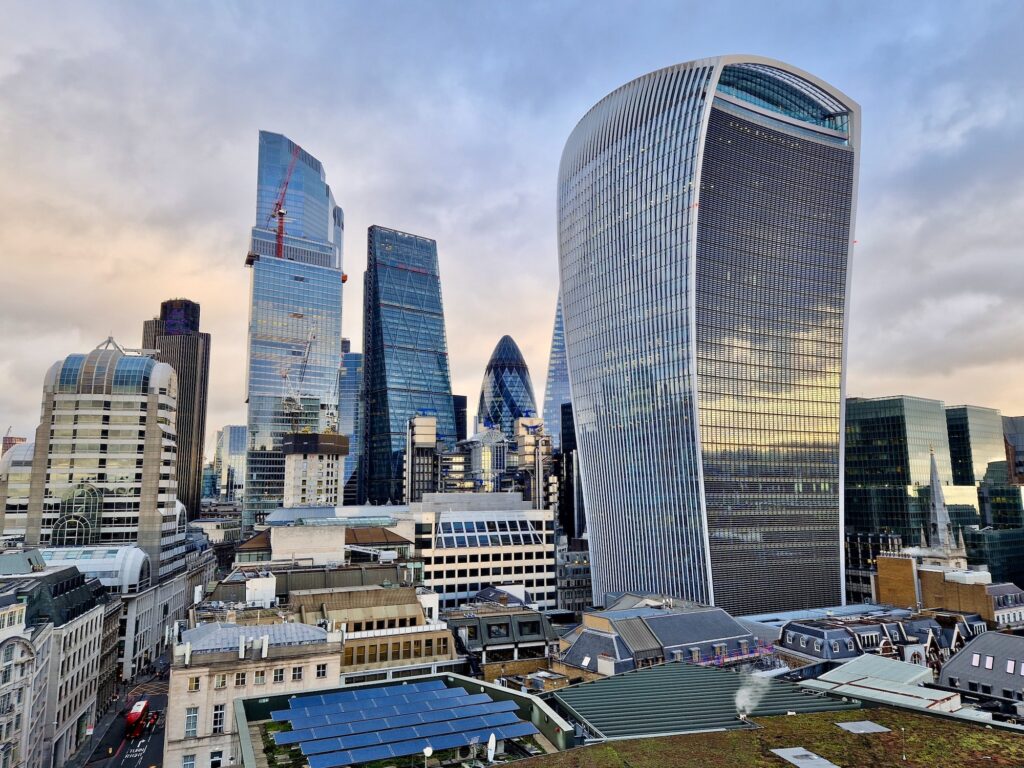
column 506, row 393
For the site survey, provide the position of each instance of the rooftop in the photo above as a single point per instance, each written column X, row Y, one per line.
column 678, row 697
column 216, row 636
column 929, row 742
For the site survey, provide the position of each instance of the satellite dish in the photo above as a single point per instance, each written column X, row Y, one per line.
column 490, row 748
column 428, row 751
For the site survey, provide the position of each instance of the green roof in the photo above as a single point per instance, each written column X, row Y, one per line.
column 679, row 697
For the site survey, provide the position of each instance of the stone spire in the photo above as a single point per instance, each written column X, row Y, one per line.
column 939, row 517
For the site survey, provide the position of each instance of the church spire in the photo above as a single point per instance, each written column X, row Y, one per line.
column 939, row 517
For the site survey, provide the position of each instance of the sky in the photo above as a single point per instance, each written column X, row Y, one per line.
column 128, row 146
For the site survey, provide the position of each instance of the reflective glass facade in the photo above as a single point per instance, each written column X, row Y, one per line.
column 294, row 316
column 556, row 392
column 975, row 441
column 229, row 462
column 350, row 424
column 507, row 392
column 405, row 354
column 889, row 442
column 705, row 231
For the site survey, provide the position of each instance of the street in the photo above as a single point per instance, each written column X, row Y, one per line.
column 114, row 751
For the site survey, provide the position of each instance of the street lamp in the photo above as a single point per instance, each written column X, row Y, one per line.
column 427, row 752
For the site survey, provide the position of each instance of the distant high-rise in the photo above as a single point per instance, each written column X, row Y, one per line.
column 176, row 337
column 294, row 314
column 888, row 474
column 975, row 441
column 350, row 423
column 229, row 462
column 556, row 392
column 507, row 392
column 705, row 226
column 9, row 441
column 461, row 405
column 405, row 354
column 103, row 468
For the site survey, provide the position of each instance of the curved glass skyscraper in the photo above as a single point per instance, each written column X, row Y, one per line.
column 705, row 226
column 507, row 392
column 556, row 392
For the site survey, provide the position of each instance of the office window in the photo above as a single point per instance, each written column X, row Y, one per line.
column 321, row 671
column 259, row 677
column 191, row 722
column 193, row 684
column 988, row 662
column 1010, row 666
column 279, row 675
column 220, row 681
column 216, row 758
column 218, row 718
column 975, row 659
column 296, row 673
column 188, row 761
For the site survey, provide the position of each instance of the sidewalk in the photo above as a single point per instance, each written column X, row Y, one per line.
column 86, row 755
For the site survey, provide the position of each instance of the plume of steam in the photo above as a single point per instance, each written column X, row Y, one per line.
column 750, row 693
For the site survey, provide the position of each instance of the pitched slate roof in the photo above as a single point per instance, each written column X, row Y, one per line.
column 691, row 627
column 999, row 674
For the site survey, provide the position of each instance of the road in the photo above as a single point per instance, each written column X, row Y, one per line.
column 144, row 752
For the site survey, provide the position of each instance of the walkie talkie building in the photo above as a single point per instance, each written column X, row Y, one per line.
column 706, row 217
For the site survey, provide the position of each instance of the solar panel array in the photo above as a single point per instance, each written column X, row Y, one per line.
column 345, row 728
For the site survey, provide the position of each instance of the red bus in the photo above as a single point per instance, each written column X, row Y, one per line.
column 136, row 719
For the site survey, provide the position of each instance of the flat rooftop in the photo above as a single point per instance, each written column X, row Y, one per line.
column 930, row 742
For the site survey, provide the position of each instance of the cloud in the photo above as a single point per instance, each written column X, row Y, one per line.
column 129, row 149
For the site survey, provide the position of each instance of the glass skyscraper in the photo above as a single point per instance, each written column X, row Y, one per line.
column 294, row 315
column 705, row 226
column 405, row 352
column 556, row 392
column 350, row 422
column 506, row 393
column 229, row 462
column 975, row 441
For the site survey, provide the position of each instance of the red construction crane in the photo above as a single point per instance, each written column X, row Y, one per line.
column 279, row 212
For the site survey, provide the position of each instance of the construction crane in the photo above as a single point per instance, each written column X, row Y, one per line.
column 279, row 212
column 291, row 404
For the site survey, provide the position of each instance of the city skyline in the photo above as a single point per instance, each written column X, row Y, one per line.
column 139, row 190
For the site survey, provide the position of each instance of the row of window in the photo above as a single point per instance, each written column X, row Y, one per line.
column 220, row 681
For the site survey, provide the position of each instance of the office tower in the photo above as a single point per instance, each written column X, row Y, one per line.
column 460, row 402
column 556, row 392
column 975, row 441
column 313, row 465
column 889, row 444
column 176, row 337
column 405, row 354
column 705, row 226
column 103, row 468
column 1013, row 433
column 229, row 462
column 294, row 314
column 422, row 468
column 571, row 510
column 506, row 393
column 350, row 423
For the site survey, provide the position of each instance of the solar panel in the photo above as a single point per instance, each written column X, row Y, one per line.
column 365, row 705
column 399, row 724
column 361, row 694
column 454, row 714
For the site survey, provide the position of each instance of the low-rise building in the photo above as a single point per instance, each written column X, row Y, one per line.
column 504, row 639
column 902, row 582
column 215, row 664
column 991, row 668
column 74, row 606
column 25, row 662
column 644, row 632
